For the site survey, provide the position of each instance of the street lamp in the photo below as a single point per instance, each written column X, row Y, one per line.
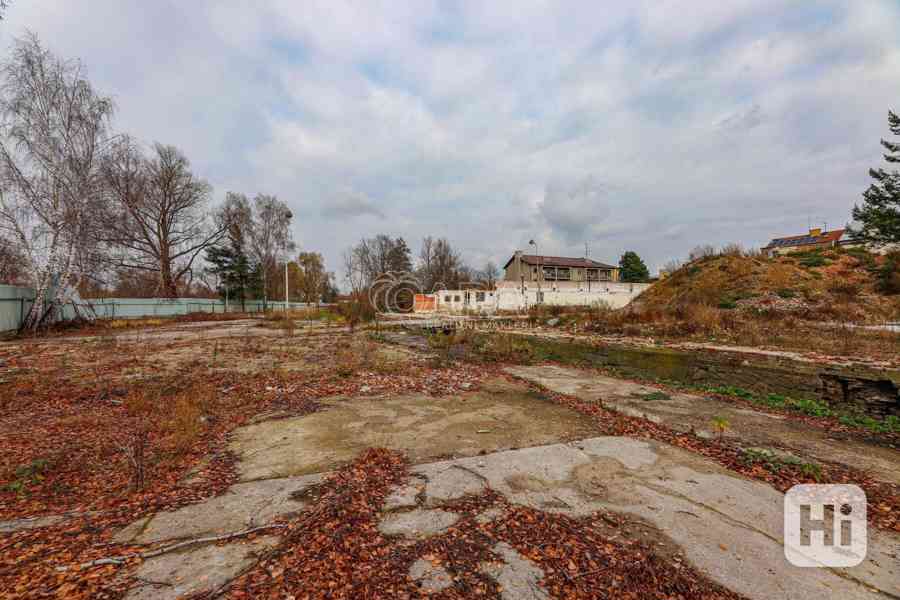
column 540, row 269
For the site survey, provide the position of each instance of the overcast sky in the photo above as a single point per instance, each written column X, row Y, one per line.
column 649, row 126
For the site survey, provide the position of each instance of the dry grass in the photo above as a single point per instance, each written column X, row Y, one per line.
column 700, row 322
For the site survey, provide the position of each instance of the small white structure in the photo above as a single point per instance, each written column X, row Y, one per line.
column 510, row 296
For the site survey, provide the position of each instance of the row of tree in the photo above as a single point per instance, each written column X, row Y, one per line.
column 439, row 264
column 85, row 208
column 249, row 259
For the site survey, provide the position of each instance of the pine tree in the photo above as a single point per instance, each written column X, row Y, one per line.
column 399, row 257
column 238, row 279
column 632, row 269
column 879, row 215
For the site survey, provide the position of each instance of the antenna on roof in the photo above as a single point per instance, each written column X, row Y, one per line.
column 587, row 252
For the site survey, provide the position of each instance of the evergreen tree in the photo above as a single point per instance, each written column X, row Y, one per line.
column 399, row 256
column 632, row 269
column 239, row 278
column 879, row 215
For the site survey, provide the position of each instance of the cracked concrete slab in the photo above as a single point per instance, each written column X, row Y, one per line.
column 14, row 525
column 244, row 505
column 431, row 578
column 201, row 569
column 418, row 523
column 518, row 577
column 454, row 482
column 684, row 412
column 423, row 426
column 729, row 527
column 405, row 496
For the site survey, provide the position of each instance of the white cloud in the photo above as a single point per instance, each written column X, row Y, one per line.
column 349, row 203
column 706, row 122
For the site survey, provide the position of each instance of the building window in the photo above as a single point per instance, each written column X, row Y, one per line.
column 479, row 296
column 605, row 275
column 540, row 297
column 550, row 273
column 456, row 298
column 592, row 275
column 563, row 274
column 447, row 299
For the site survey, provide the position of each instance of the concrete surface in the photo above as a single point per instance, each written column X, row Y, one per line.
column 729, row 527
column 501, row 415
column 14, row 525
column 417, row 523
column 245, row 505
column 201, row 569
column 518, row 577
column 684, row 412
column 430, row 578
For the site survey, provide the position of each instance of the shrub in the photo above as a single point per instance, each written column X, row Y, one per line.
column 888, row 275
column 186, row 424
column 700, row 252
column 27, row 475
column 732, row 249
column 844, row 287
column 727, row 304
column 786, row 293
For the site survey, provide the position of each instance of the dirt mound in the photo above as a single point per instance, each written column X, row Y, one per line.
column 841, row 285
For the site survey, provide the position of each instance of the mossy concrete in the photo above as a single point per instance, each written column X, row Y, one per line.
column 498, row 416
column 856, row 387
column 691, row 412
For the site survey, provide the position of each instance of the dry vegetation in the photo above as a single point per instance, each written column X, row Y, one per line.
column 123, row 418
column 810, row 302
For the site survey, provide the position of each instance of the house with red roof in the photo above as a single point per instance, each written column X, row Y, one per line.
column 816, row 239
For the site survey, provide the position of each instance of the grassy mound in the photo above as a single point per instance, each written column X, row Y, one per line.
column 837, row 285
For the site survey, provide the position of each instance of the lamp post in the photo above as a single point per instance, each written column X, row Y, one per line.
column 540, row 270
column 287, row 244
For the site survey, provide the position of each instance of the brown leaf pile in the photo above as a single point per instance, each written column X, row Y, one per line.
column 334, row 549
column 883, row 498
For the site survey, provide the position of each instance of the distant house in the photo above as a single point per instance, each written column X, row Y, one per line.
column 557, row 271
column 816, row 239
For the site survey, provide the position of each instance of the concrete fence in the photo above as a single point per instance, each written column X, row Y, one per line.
column 515, row 298
column 15, row 302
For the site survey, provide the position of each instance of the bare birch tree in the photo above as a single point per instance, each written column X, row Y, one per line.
column 159, row 222
column 53, row 135
column 270, row 236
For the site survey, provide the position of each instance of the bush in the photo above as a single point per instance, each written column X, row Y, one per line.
column 888, row 275
column 813, row 260
column 786, row 293
column 727, row 304
column 844, row 287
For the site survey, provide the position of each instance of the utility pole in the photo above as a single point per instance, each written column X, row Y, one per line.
column 540, row 271
column 287, row 244
column 587, row 255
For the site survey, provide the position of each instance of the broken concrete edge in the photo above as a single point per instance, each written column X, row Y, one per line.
column 872, row 390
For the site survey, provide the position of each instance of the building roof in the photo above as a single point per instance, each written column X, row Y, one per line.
column 560, row 261
column 824, row 237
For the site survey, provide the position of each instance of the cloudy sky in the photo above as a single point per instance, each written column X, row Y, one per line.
column 651, row 126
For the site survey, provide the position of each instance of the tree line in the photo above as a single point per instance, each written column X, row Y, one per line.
column 86, row 209
column 438, row 264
